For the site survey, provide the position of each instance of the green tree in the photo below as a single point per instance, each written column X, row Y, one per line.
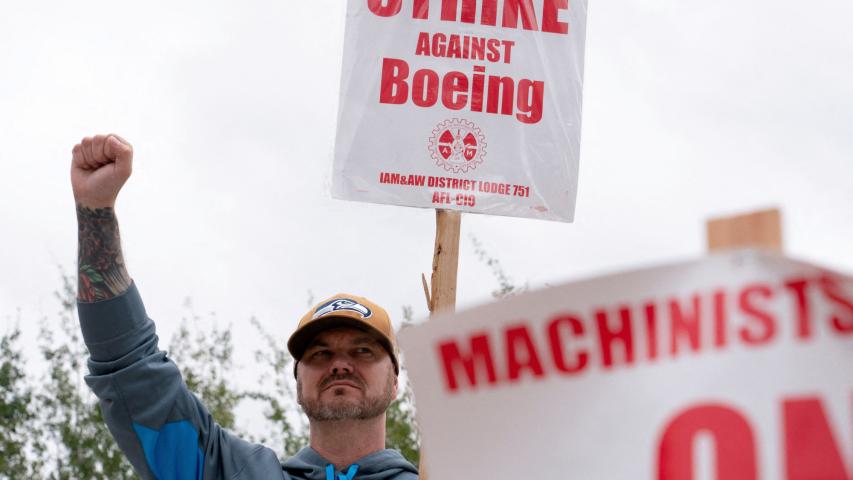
column 205, row 359
column 17, row 412
column 401, row 428
column 506, row 287
column 285, row 430
column 70, row 423
column 52, row 427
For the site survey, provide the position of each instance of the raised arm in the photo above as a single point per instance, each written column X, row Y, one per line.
column 100, row 166
column 164, row 430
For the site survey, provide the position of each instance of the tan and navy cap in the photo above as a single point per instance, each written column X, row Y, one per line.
column 344, row 310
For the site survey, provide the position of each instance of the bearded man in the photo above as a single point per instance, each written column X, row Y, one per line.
column 345, row 353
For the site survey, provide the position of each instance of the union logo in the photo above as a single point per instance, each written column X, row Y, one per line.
column 457, row 145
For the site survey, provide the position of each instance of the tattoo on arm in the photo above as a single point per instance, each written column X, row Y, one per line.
column 101, row 271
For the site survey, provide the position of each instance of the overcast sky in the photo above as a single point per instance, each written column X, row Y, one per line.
column 692, row 109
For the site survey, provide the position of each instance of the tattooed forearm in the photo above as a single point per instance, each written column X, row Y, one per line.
column 101, row 271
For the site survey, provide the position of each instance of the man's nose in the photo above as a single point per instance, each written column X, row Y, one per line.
column 341, row 367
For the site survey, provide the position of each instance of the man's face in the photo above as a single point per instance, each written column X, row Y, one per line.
column 345, row 374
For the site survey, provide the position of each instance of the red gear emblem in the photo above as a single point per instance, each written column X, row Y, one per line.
column 457, row 145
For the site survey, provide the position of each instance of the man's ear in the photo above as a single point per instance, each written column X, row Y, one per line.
column 298, row 389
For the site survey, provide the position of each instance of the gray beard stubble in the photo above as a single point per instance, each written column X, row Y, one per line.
column 367, row 408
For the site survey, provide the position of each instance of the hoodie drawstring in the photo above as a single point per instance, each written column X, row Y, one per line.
column 330, row 472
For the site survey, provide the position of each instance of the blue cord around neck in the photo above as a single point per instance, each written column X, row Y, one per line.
column 330, row 472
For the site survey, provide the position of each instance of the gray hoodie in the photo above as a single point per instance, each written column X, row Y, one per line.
column 166, row 432
column 386, row 464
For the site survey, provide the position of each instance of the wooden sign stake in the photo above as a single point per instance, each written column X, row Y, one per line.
column 445, row 262
column 441, row 296
column 760, row 229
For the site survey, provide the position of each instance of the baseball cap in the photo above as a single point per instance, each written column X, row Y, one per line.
column 344, row 310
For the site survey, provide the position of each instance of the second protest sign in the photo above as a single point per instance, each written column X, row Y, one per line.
column 737, row 364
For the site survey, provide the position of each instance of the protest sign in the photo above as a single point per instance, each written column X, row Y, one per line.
column 470, row 105
column 736, row 366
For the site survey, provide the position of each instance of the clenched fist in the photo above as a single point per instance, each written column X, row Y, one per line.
column 99, row 167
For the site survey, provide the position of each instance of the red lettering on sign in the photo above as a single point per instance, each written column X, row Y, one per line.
column 550, row 12
column 842, row 318
column 423, row 46
column 530, row 97
column 477, row 89
column 797, row 287
column 425, row 88
column 756, row 307
column 493, row 54
column 720, row 319
column 394, row 89
column 480, row 354
column 733, row 439
column 464, row 47
column 684, row 323
column 389, row 10
column 558, row 353
column 521, row 353
column 496, row 85
column 478, row 49
column 420, row 9
column 454, row 83
column 512, row 10
column 811, row 451
column 524, row 8
column 489, row 12
column 608, row 336
column 449, row 8
column 651, row 331
column 764, row 322
column 500, row 91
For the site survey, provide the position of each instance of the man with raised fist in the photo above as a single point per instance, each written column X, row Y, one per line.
column 345, row 353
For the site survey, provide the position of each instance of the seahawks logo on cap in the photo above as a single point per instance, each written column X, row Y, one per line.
column 341, row 304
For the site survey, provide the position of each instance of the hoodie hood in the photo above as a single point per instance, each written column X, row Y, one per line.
column 383, row 465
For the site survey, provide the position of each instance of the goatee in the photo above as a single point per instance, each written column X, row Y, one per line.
column 366, row 408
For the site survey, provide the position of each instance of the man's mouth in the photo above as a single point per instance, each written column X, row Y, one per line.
column 342, row 384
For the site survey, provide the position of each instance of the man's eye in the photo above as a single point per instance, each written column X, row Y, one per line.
column 320, row 354
column 363, row 351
